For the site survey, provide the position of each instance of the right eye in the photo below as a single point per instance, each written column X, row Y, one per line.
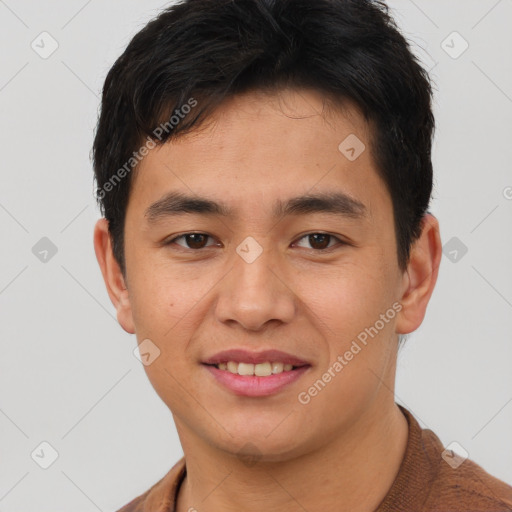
column 193, row 241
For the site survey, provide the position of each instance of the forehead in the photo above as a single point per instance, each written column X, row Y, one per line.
column 261, row 149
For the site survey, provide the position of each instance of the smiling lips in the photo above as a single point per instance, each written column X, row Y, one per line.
column 255, row 374
column 260, row 369
column 245, row 356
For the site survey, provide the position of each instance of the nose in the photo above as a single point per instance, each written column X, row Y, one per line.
column 254, row 294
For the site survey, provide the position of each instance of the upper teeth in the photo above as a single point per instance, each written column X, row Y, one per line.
column 260, row 369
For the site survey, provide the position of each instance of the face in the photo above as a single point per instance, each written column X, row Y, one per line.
column 266, row 268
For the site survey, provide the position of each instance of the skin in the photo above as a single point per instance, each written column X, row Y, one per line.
column 343, row 449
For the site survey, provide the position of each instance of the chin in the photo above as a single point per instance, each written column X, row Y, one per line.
column 260, row 449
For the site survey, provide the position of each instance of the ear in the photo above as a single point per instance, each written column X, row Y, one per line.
column 421, row 276
column 112, row 275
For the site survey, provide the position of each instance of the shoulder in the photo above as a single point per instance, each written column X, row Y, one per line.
column 434, row 479
column 161, row 495
column 461, row 484
column 137, row 504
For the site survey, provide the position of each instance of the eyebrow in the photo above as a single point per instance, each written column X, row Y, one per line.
column 338, row 203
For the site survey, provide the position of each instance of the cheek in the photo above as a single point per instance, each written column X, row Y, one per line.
column 344, row 298
column 347, row 308
column 160, row 298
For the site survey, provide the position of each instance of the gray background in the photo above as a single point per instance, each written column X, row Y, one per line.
column 68, row 375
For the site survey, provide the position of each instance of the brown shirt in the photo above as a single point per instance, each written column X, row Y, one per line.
column 425, row 482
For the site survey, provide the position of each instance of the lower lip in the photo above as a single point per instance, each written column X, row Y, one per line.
column 251, row 385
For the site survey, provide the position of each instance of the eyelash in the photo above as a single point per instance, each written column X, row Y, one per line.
column 340, row 242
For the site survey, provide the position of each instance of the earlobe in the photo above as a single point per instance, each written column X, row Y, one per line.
column 112, row 275
column 420, row 277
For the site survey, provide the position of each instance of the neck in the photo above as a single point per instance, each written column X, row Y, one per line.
column 352, row 473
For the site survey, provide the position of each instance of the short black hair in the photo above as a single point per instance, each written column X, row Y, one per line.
column 196, row 53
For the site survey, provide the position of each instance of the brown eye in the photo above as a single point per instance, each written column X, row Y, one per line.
column 192, row 240
column 320, row 241
column 196, row 240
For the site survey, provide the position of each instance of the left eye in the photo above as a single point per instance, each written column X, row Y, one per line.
column 320, row 240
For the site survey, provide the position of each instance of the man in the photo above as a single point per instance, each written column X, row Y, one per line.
column 264, row 171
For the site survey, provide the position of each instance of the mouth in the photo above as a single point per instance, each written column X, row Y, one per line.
column 252, row 374
column 260, row 360
column 264, row 369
